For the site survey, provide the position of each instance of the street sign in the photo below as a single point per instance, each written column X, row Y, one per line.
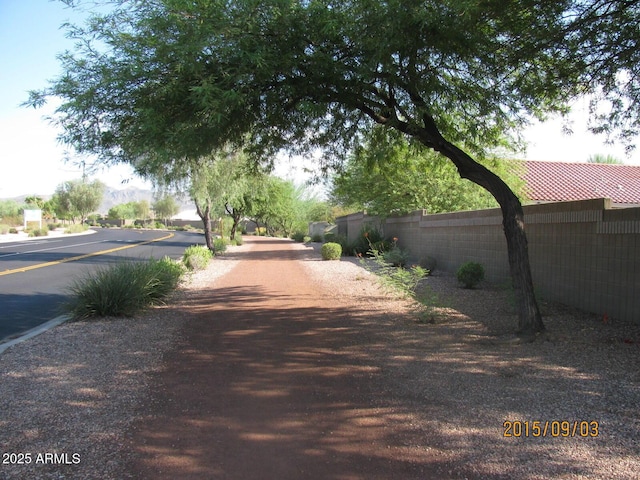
column 32, row 216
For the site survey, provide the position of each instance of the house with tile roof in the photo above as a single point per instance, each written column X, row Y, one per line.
column 563, row 181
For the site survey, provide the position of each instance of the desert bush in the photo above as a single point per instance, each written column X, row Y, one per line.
column 4, row 229
column 370, row 240
column 76, row 228
column 219, row 245
column 331, row 251
column 298, row 236
column 470, row 274
column 238, row 240
column 396, row 257
column 53, row 226
column 12, row 220
column 39, row 232
column 197, row 257
column 399, row 279
column 429, row 263
column 13, row 230
column 348, row 248
column 123, row 289
column 316, row 238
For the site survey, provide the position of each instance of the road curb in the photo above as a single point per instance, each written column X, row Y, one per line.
column 34, row 332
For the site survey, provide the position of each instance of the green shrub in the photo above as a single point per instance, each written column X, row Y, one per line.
column 39, row 232
column 306, row 239
column 124, row 289
column 331, row 251
column 403, row 280
column 238, row 240
column 348, row 248
column 429, row 263
column 396, row 257
column 13, row 230
column 53, row 226
column 76, row 228
column 4, row 229
column 370, row 240
column 13, row 220
column 330, row 237
column 219, row 245
column 159, row 226
column 197, row 257
column 298, row 236
column 470, row 274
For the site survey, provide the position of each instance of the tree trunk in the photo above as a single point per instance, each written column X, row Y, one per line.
column 205, row 216
column 236, row 215
column 529, row 318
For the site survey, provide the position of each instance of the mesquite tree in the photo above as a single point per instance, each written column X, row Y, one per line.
column 170, row 81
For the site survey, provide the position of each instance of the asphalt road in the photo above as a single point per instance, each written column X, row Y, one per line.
column 34, row 274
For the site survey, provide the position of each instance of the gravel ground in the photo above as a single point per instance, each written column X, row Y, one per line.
column 75, row 389
column 455, row 372
column 472, row 382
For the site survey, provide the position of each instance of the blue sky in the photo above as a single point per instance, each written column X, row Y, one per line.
column 32, row 161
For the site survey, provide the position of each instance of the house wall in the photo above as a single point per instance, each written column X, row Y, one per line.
column 582, row 253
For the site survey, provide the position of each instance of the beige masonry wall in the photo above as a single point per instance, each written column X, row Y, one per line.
column 582, row 253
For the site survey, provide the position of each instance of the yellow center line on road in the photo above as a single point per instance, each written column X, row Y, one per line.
column 80, row 257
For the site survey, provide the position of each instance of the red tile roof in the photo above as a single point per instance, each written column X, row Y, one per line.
column 562, row 181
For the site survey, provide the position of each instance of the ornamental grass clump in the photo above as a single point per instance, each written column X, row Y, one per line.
column 470, row 274
column 39, row 232
column 298, row 237
column 219, row 245
column 396, row 256
column 197, row 257
column 331, row 251
column 123, row 289
column 395, row 277
column 76, row 228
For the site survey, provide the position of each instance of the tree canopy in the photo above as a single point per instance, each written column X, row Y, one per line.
column 168, row 81
column 76, row 199
column 166, row 207
column 387, row 175
column 174, row 78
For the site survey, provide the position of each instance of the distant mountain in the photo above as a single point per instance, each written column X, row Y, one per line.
column 115, row 196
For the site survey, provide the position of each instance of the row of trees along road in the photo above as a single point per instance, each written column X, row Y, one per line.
column 226, row 183
column 164, row 208
column 172, row 81
column 73, row 200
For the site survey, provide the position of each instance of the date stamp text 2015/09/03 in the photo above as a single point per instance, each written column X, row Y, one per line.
column 551, row 428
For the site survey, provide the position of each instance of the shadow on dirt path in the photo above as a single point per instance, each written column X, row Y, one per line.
column 267, row 384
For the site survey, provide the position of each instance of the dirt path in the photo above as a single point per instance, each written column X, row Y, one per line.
column 271, row 382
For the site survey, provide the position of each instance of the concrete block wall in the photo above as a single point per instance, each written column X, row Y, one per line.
column 583, row 253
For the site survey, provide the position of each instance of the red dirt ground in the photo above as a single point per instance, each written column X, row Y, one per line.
column 267, row 384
